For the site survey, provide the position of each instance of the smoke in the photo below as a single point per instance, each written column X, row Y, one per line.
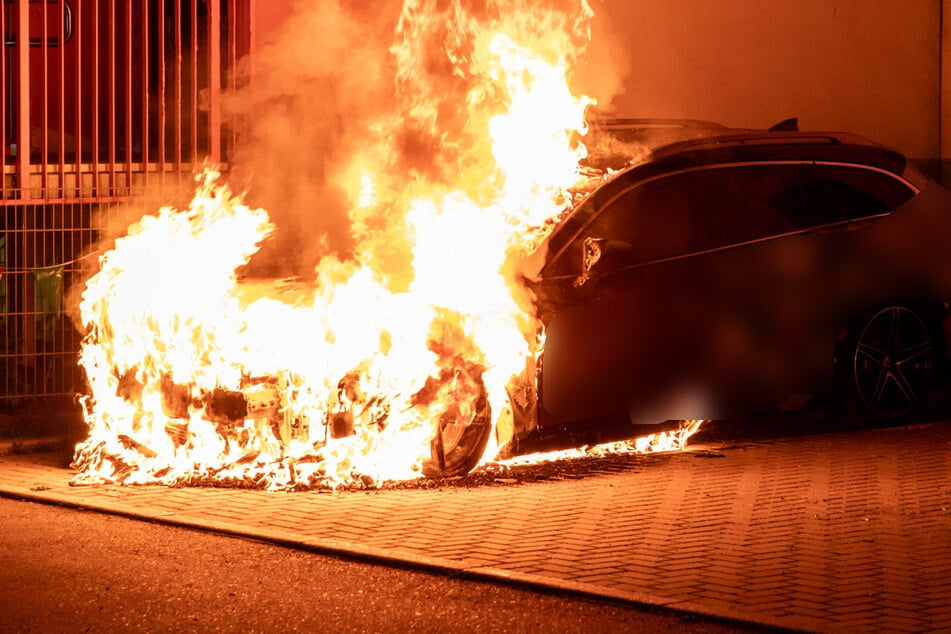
column 604, row 70
column 311, row 95
column 397, row 90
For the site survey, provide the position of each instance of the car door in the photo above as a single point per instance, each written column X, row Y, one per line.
column 760, row 269
column 672, row 321
column 627, row 327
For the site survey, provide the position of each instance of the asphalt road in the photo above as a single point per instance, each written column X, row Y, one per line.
column 68, row 570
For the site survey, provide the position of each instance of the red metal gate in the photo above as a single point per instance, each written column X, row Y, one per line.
column 100, row 99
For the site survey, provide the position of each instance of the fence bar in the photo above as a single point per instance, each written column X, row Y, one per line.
column 146, row 78
column 162, row 87
column 22, row 48
column 94, row 92
column 61, row 119
column 128, row 94
column 231, row 57
column 193, row 88
column 214, row 80
column 78, row 104
column 113, row 126
column 177, row 88
column 45, row 98
column 5, row 93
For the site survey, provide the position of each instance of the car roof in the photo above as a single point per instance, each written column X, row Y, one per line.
column 712, row 144
column 708, row 142
column 617, row 143
column 771, row 145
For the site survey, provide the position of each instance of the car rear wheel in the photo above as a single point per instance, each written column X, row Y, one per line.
column 887, row 362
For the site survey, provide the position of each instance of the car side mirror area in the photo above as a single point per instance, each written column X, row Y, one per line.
column 600, row 256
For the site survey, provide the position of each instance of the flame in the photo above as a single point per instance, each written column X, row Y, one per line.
column 354, row 378
column 664, row 441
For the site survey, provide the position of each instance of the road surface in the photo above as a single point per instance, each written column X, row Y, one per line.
column 68, row 570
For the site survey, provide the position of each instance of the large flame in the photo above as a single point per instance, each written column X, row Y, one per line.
column 194, row 376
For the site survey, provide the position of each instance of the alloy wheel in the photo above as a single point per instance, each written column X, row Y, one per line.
column 892, row 362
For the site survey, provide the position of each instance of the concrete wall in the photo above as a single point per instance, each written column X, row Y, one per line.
column 872, row 67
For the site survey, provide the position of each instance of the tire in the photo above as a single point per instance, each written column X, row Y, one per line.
column 458, row 445
column 886, row 363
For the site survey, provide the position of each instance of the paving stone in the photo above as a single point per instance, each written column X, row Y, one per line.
column 846, row 531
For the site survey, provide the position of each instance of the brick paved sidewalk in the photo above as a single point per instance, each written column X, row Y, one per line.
column 843, row 531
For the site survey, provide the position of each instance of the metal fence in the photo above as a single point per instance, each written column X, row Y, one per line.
column 41, row 251
column 101, row 100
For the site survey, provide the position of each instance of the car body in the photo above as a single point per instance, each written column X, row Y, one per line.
column 732, row 271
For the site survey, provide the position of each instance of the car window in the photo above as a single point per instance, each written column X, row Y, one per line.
column 837, row 193
column 651, row 218
column 740, row 203
column 694, row 211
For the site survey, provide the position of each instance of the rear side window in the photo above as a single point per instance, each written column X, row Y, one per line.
column 836, row 193
column 740, row 203
column 704, row 209
column 696, row 211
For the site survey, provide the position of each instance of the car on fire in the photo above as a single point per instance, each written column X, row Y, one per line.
column 703, row 273
column 733, row 271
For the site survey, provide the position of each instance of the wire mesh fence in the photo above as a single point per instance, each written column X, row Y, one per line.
column 44, row 246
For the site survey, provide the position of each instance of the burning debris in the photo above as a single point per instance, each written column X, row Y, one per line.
column 395, row 360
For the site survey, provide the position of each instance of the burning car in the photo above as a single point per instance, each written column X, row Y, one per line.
column 684, row 271
column 736, row 271
column 716, row 274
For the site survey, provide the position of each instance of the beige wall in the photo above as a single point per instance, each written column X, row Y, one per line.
column 871, row 67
